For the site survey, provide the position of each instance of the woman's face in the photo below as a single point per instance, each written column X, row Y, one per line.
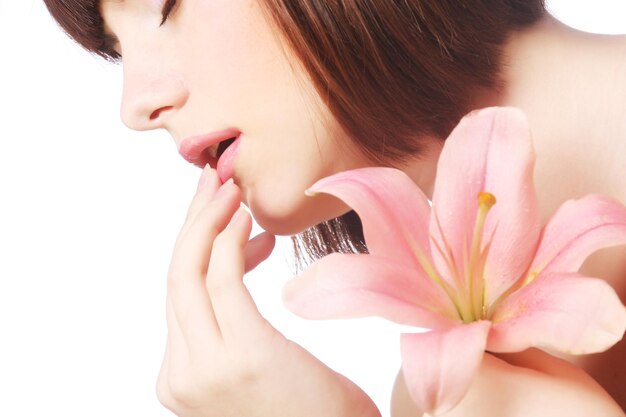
column 216, row 65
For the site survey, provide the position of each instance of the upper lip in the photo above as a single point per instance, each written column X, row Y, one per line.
column 201, row 149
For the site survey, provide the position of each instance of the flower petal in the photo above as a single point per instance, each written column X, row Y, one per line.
column 439, row 366
column 489, row 151
column 577, row 229
column 347, row 286
column 565, row 312
column 391, row 207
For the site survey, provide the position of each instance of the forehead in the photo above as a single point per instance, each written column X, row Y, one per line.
column 112, row 3
column 110, row 10
column 107, row 6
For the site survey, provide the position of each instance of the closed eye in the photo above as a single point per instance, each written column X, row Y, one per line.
column 167, row 9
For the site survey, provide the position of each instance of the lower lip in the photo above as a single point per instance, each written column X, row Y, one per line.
column 226, row 163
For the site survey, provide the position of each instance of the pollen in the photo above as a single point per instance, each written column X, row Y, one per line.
column 486, row 200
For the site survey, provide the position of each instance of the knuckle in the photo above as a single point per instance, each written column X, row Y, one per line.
column 178, row 271
column 201, row 209
column 222, row 237
column 181, row 389
column 213, row 229
column 181, row 273
column 223, row 248
column 176, row 284
column 229, row 377
column 246, row 371
column 219, row 287
column 163, row 394
column 196, row 205
column 180, row 239
column 208, row 225
column 247, row 376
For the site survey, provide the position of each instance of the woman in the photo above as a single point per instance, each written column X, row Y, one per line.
column 277, row 94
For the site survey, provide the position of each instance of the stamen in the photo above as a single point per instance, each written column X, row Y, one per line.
column 431, row 272
column 448, row 255
column 476, row 271
column 483, row 262
column 486, row 200
column 521, row 283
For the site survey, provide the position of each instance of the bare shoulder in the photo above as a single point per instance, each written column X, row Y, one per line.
column 401, row 403
column 527, row 384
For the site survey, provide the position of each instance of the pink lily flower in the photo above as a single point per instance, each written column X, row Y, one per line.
column 477, row 268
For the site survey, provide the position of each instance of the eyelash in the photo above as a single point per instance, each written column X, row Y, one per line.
column 167, row 9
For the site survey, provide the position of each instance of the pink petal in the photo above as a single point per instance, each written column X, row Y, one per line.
column 565, row 312
column 391, row 207
column 440, row 365
column 348, row 286
column 577, row 229
column 489, row 151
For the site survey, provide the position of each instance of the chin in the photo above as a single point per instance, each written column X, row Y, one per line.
column 289, row 218
column 281, row 226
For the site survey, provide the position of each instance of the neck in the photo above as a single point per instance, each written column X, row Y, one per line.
column 572, row 86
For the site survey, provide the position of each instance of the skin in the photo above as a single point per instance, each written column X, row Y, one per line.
column 574, row 134
column 586, row 139
column 222, row 358
column 243, row 77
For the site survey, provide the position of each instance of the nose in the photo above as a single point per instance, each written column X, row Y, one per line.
column 152, row 95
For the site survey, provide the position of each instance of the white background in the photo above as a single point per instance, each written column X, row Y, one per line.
column 88, row 214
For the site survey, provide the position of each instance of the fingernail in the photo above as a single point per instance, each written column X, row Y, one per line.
column 225, row 190
column 205, row 178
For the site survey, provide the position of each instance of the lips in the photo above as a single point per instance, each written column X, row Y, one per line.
column 206, row 149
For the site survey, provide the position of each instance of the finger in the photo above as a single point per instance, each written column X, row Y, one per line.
column 258, row 249
column 232, row 303
column 188, row 269
column 198, row 234
column 208, row 184
column 209, row 180
column 162, row 386
column 182, row 347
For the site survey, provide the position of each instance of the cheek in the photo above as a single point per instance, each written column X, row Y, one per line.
column 232, row 48
column 221, row 51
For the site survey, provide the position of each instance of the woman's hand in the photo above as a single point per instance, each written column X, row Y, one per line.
column 527, row 384
column 222, row 358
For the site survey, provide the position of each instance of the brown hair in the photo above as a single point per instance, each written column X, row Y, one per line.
column 390, row 71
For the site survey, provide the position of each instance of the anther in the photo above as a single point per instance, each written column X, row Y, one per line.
column 486, row 200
